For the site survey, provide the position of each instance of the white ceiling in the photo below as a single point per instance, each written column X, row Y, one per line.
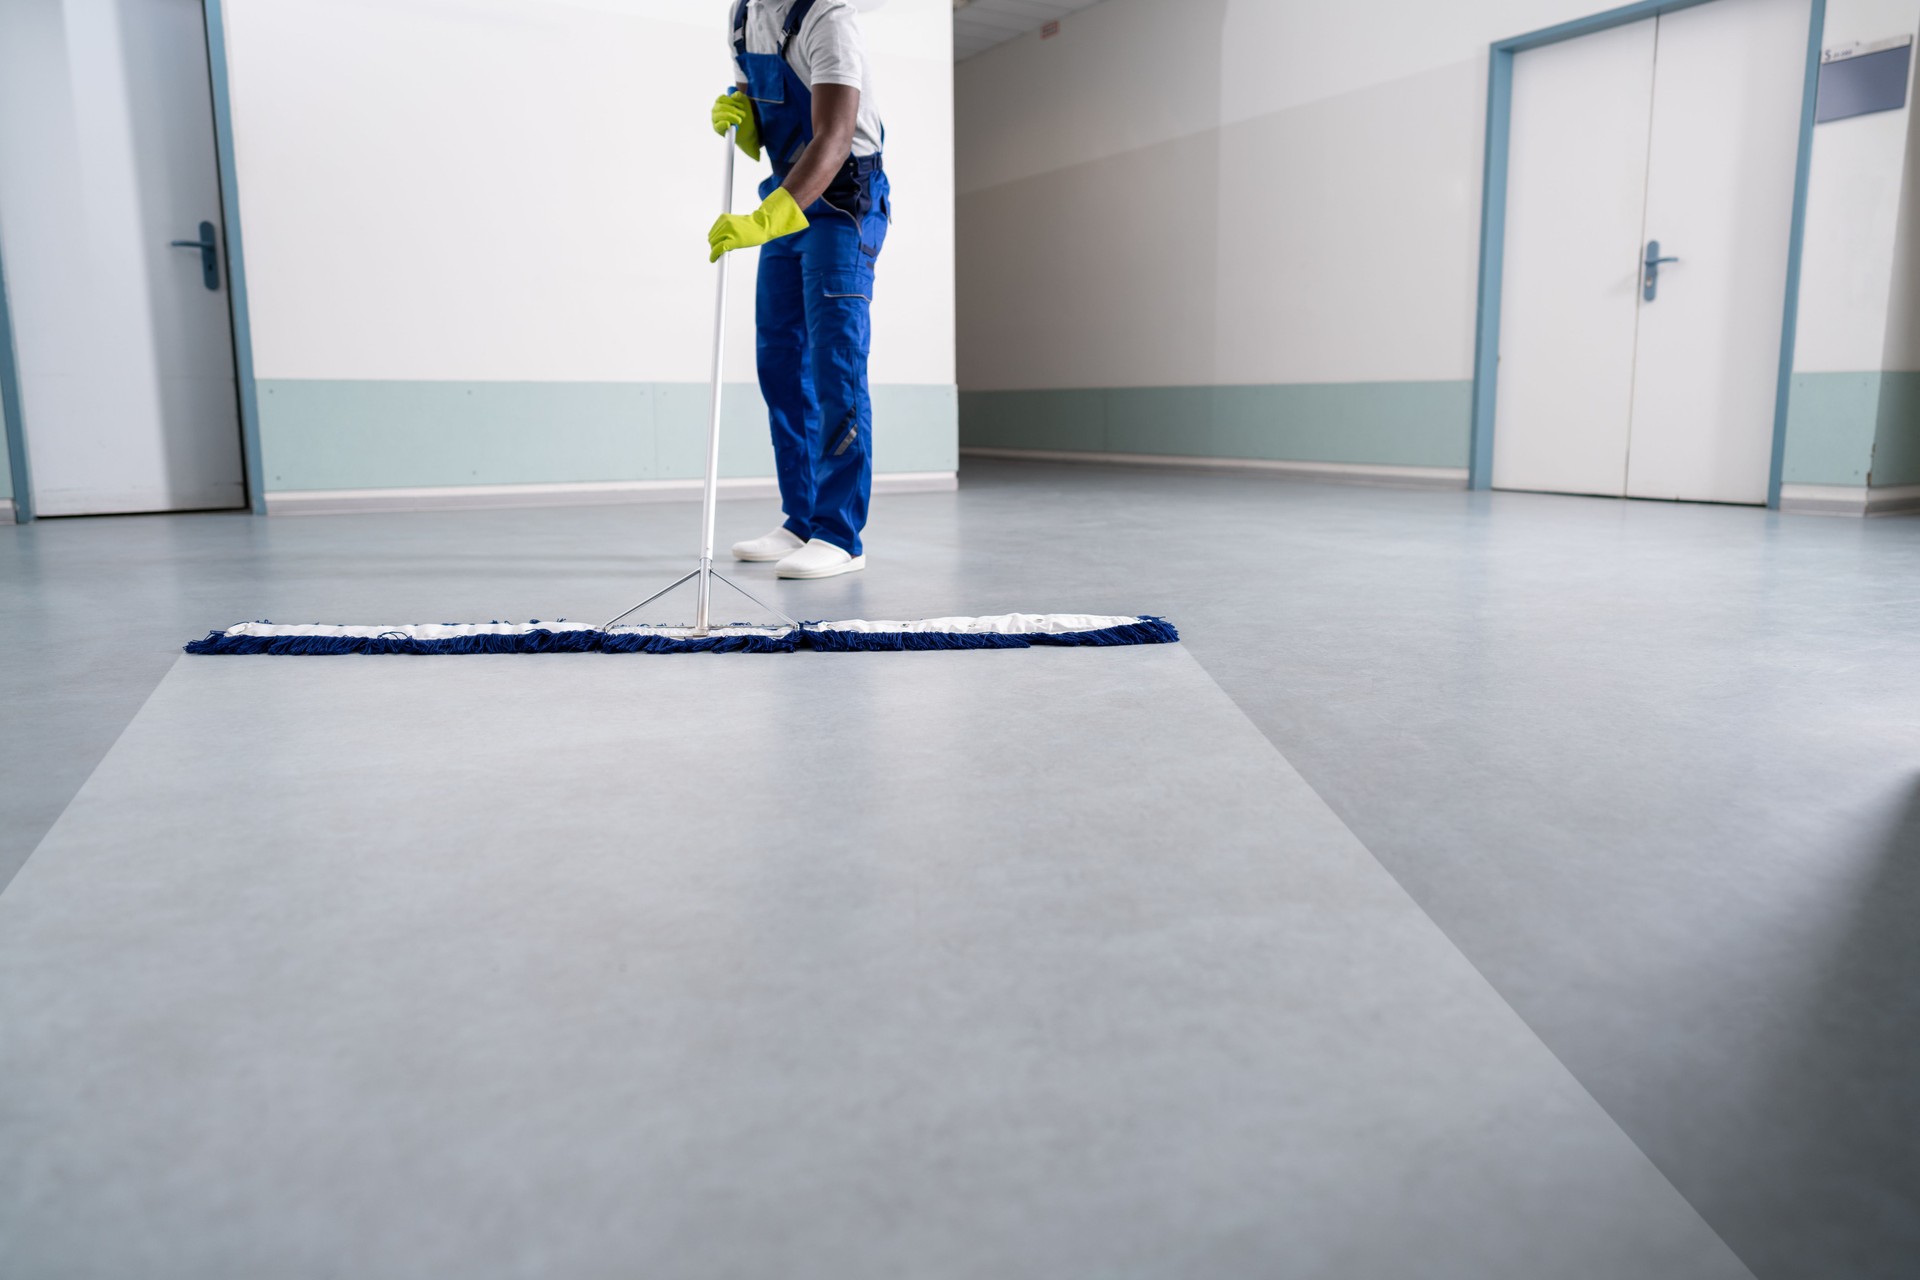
column 978, row 25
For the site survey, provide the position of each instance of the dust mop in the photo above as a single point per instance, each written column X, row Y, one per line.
column 1008, row 631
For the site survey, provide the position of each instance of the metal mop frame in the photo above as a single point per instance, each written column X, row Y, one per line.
column 704, row 573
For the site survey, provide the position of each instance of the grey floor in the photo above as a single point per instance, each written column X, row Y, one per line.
column 1490, row 886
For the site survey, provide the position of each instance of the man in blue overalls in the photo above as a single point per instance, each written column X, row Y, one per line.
column 804, row 94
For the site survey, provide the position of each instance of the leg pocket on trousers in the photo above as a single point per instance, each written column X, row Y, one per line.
column 846, row 439
column 842, row 318
column 847, row 284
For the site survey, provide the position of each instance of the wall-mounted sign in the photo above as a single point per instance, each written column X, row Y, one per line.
column 1862, row 78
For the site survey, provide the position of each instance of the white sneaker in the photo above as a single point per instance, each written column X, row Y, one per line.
column 777, row 545
column 820, row 560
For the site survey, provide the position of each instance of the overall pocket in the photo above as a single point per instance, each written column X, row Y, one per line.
column 841, row 316
column 846, row 439
column 847, row 284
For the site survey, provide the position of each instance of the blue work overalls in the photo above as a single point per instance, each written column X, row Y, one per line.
column 814, row 295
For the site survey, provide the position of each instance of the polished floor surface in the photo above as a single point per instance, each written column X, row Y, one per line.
column 1490, row 886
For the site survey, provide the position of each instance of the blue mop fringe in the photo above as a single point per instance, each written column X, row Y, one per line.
column 219, row 642
column 1148, row 630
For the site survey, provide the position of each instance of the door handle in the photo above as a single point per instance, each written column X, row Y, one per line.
column 1650, row 266
column 209, row 248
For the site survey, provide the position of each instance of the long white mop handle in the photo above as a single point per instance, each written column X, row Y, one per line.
column 711, row 499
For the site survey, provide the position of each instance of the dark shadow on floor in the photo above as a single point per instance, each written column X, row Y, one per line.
column 1849, row 1085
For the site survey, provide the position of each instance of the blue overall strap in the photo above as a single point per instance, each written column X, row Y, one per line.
column 795, row 17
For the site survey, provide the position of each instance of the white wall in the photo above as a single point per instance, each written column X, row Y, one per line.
column 1272, row 191
column 519, row 190
column 1903, row 321
column 1327, row 203
column 1853, row 213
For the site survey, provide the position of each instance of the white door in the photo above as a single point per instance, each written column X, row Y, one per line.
column 1725, row 143
column 1682, row 131
column 125, row 354
column 1576, row 199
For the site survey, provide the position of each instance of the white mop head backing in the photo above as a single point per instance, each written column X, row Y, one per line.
column 1009, row 631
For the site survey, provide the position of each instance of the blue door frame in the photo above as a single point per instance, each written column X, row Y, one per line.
column 1493, row 221
column 237, row 259
column 10, row 408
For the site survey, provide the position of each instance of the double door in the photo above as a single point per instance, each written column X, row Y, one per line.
column 124, row 337
column 1649, row 214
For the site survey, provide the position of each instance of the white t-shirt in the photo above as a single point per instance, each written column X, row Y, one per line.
column 826, row 50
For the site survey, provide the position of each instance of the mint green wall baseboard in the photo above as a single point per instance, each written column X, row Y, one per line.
column 1831, row 420
column 1860, row 428
column 1407, row 424
column 331, row 435
column 1841, row 427
column 6, row 460
column 1896, row 447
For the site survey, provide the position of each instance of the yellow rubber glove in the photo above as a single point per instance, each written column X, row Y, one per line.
column 777, row 216
column 731, row 110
